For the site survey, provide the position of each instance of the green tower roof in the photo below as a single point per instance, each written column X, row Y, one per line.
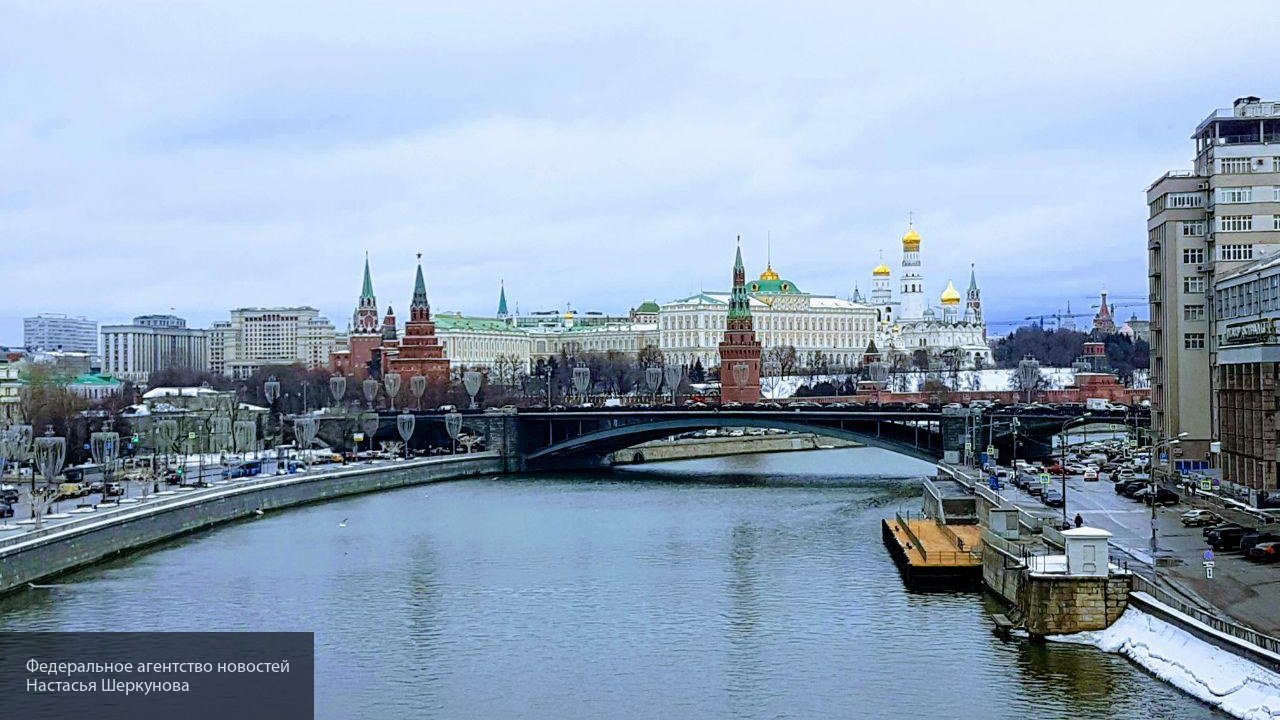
column 366, row 292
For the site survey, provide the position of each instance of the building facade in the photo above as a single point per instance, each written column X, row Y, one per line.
column 53, row 331
column 1203, row 224
column 151, row 343
column 1246, row 310
column 257, row 337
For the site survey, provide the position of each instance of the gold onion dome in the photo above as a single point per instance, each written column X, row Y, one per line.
column 769, row 273
column 911, row 240
column 881, row 270
column 950, row 296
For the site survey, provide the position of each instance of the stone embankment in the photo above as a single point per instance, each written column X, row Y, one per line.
column 693, row 448
column 38, row 554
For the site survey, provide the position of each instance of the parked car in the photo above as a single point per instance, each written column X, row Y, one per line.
column 68, row 490
column 1035, row 487
column 1197, row 518
column 1209, row 530
column 1162, row 496
column 9, row 494
column 1248, row 542
column 1052, row 497
column 1132, row 488
column 1265, row 552
column 6, row 510
column 1125, row 473
column 1091, row 475
column 1228, row 538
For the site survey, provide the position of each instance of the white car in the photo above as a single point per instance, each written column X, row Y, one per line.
column 1091, row 474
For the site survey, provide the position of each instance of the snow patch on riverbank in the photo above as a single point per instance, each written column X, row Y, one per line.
column 1215, row 676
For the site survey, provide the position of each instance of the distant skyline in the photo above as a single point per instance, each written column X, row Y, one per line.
column 206, row 156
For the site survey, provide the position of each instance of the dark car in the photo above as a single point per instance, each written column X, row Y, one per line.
column 1228, row 538
column 6, row 510
column 1052, row 497
column 1249, row 541
column 1212, row 529
column 1035, row 487
column 1162, row 496
column 1131, row 489
column 9, row 495
column 1265, row 552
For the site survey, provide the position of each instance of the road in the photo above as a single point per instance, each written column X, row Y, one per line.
column 1246, row 591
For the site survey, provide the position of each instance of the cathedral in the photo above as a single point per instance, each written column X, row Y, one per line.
column 907, row 323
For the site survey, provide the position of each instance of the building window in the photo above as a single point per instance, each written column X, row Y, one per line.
column 1235, row 223
column 1177, row 201
column 1235, row 165
column 1193, row 341
column 1235, row 252
column 1193, row 228
column 1193, row 256
column 1235, row 195
column 1193, row 312
column 1193, row 284
column 1275, row 222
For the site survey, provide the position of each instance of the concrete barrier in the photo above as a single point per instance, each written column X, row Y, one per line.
column 55, row 550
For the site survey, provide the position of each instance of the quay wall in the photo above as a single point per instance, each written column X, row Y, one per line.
column 57, row 550
column 692, row 448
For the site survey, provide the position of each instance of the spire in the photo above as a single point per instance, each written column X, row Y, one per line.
column 737, row 261
column 973, row 279
column 739, row 303
column 366, row 292
column 502, row 299
column 419, row 288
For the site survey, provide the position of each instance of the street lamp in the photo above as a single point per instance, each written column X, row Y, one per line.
column 392, row 382
column 673, row 374
column 471, row 380
column 418, row 386
column 1169, row 442
column 453, row 426
column 50, row 454
column 405, row 423
column 338, row 388
column 653, row 380
column 581, row 381
column 1062, row 462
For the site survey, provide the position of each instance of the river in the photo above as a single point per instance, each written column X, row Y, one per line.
column 742, row 587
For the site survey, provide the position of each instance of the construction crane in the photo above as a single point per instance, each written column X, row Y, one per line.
column 1057, row 318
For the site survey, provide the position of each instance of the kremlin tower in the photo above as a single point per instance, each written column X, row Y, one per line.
column 365, row 338
column 740, row 350
column 419, row 352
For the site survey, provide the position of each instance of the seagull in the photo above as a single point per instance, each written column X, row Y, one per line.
column 343, row 523
column 258, row 512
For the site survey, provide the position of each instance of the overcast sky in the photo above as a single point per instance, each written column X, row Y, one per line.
column 207, row 156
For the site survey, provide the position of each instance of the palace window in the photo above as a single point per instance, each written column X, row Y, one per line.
column 1193, row 341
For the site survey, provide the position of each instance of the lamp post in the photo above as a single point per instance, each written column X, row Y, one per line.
column 471, row 381
column 271, row 391
column 50, row 453
column 673, row 374
column 338, row 388
column 405, row 423
column 1062, row 463
column 370, row 388
column 453, row 426
column 104, row 445
column 1169, row 443
column 653, row 381
column 581, row 381
column 418, row 386
column 391, row 381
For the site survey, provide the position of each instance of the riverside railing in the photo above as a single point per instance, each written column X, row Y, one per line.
column 1239, row 632
column 154, row 502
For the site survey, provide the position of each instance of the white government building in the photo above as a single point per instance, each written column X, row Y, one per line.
column 689, row 329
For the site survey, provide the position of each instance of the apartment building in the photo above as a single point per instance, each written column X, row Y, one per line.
column 255, row 337
column 1202, row 224
column 151, row 343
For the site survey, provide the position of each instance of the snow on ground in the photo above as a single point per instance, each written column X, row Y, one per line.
column 991, row 379
column 1215, row 676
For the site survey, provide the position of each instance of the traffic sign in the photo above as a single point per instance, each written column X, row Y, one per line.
column 1044, row 478
column 1208, row 555
column 1206, row 484
column 358, row 437
column 991, row 450
column 191, row 436
column 1208, row 569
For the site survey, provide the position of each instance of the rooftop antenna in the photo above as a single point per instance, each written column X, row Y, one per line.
column 911, row 219
column 769, row 249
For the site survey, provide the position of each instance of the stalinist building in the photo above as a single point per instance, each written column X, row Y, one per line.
column 909, row 323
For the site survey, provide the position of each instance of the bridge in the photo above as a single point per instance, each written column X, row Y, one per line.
column 541, row 439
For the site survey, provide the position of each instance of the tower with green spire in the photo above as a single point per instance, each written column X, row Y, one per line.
column 420, row 351
column 365, row 318
column 739, row 350
column 502, row 301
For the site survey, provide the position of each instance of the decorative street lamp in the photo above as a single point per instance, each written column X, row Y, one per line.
column 164, row 437
column 453, row 426
column 338, row 388
column 653, row 381
column 50, row 453
column 104, row 445
column 369, row 422
column 392, row 383
column 673, row 374
column 245, row 434
column 271, row 391
column 405, row 423
column 370, row 388
column 581, row 381
column 1062, row 462
column 304, row 433
column 471, row 381
column 1028, row 374
column 418, row 386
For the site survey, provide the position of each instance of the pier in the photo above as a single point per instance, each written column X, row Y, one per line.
column 932, row 555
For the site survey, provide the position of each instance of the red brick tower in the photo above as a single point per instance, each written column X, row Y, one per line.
column 739, row 350
column 420, row 353
column 365, row 338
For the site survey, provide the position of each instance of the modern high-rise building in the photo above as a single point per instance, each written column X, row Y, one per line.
column 53, row 331
column 1204, row 223
column 152, row 343
column 255, row 337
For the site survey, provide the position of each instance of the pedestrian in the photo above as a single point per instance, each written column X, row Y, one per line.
column 1079, row 520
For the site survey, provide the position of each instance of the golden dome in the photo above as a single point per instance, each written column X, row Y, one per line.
column 911, row 240
column 769, row 274
column 950, row 296
column 881, row 270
